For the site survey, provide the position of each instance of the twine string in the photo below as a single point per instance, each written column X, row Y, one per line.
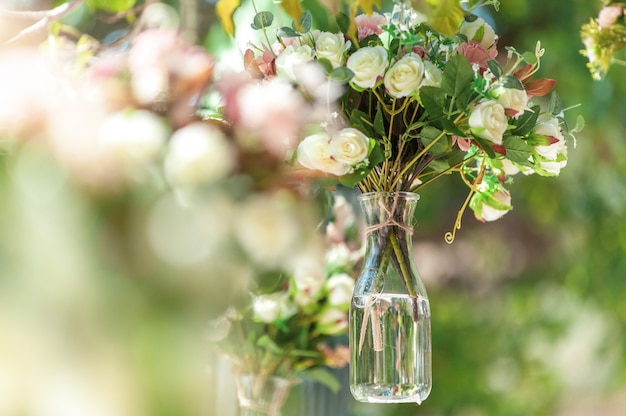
column 389, row 219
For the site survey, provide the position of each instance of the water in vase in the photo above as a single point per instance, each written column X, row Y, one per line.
column 390, row 347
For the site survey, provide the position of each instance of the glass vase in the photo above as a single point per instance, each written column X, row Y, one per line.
column 262, row 395
column 390, row 341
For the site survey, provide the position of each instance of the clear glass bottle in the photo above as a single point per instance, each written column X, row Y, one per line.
column 262, row 395
column 390, row 341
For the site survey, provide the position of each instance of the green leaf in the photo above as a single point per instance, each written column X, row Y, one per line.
column 379, row 122
column 324, row 377
column 526, row 122
column 517, row 150
column 451, row 128
column 287, row 32
column 358, row 121
column 495, row 68
column 433, row 99
column 341, row 75
column 510, row 81
column 429, row 134
column 262, row 20
column 457, row 80
column 326, row 64
column 556, row 105
column 304, row 24
column 266, row 342
column 343, row 22
column 529, row 58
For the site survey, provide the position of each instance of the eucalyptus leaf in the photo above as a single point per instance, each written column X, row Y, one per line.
column 556, row 105
column 341, row 75
column 262, row 20
column 304, row 23
column 512, row 82
column 530, row 58
column 287, row 32
column 495, row 68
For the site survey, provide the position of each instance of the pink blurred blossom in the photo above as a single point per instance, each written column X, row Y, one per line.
column 369, row 24
column 608, row 15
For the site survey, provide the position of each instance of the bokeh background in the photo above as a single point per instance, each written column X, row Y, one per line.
column 528, row 313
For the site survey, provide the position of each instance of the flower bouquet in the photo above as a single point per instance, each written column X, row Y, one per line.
column 423, row 95
column 604, row 37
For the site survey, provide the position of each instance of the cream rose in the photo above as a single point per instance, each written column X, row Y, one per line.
column 511, row 99
column 332, row 47
column 314, row 153
column 349, row 146
column 488, row 121
column 495, row 206
column 198, row 154
column 551, row 129
column 471, row 29
column 291, row 58
column 405, row 76
column 432, row 75
column 368, row 64
column 553, row 156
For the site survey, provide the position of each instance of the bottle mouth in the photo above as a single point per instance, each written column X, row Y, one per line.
column 368, row 196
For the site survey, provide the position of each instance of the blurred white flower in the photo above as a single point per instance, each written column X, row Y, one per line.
column 271, row 307
column 198, row 154
column 133, row 137
column 332, row 321
column 267, row 228
column 291, row 58
column 340, row 287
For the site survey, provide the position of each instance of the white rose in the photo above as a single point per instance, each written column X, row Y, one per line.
column 133, row 136
column 267, row 229
column 332, row 47
column 271, row 307
column 368, row 64
column 314, row 153
column 551, row 129
column 405, row 76
column 349, row 146
column 309, row 276
column 511, row 99
column 488, row 121
column 332, row 321
column 432, row 75
column 492, row 213
column 340, row 287
column 198, row 154
column 470, row 29
column 293, row 56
